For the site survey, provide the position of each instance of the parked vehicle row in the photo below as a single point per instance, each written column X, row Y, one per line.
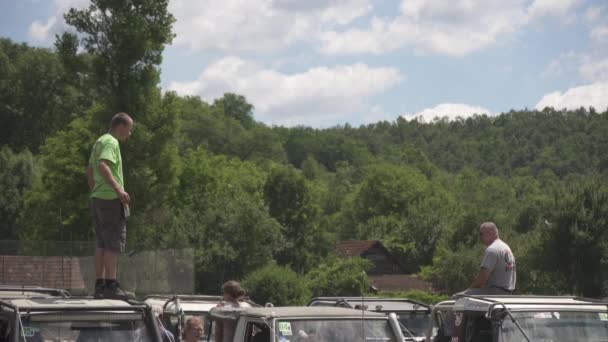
column 35, row 314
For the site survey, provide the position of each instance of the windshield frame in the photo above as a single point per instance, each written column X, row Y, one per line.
column 275, row 323
column 521, row 328
column 46, row 315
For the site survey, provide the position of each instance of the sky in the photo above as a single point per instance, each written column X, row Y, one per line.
column 323, row 63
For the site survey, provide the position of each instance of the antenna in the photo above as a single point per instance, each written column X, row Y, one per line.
column 363, row 306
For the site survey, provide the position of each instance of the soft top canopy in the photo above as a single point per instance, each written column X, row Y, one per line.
column 373, row 303
column 523, row 303
column 14, row 292
column 291, row 312
column 72, row 304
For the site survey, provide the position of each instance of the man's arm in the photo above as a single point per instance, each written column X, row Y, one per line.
column 106, row 173
column 90, row 178
column 219, row 331
column 482, row 278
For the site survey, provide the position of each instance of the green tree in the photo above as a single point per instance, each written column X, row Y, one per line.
column 237, row 107
column 575, row 244
column 339, row 277
column 401, row 207
column 220, row 210
column 57, row 204
column 37, row 97
column 278, row 285
column 17, row 174
column 127, row 39
column 291, row 201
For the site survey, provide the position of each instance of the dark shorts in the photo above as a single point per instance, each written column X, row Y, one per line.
column 110, row 224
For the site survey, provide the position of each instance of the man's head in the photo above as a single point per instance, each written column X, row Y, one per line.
column 193, row 330
column 232, row 291
column 121, row 126
column 488, row 232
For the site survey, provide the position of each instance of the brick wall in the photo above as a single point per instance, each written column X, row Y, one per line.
column 48, row 271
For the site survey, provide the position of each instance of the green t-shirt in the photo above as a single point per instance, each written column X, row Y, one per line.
column 106, row 147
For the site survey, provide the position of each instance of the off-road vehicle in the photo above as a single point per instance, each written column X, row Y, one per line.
column 296, row 324
column 38, row 319
column 413, row 315
column 177, row 309
column 519, row 318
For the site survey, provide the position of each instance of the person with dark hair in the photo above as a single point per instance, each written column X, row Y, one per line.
column 109, row 204
column 233, row 297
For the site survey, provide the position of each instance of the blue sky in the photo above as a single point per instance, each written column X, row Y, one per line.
column 327, row 62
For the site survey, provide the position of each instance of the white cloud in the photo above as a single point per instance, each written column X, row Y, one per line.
column 449, row 111
column 244, row 25
column 593, row 95
column 543, row 8
column 454, row 28
column 564, row 63
column 594, row 13
column 596, row 70
column 40, row 32
column 599, row 34
column 320, row 96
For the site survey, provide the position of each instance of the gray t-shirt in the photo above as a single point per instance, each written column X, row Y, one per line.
column 500, row 261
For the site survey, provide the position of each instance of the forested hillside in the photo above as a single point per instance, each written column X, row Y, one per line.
column 247, row 195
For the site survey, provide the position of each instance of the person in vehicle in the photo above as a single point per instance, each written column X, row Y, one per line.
column 233, row 297
column 193, row 330
column 497, row 269
column 167, row 336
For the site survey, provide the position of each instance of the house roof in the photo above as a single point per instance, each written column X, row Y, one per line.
column 400, row 282
column 353, row 248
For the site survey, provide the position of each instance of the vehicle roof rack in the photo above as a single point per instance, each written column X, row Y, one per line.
column 183, row 297
column 493, row 301
column 68, row 304
column 36, row 289
column 369, row 299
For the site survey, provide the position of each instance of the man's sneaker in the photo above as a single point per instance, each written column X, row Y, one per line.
column 114, row 291
column 99, row 290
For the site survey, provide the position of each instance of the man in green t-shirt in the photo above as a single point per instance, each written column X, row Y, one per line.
column 109, row 204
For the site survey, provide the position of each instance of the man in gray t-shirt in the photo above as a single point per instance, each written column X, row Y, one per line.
column 497, row 268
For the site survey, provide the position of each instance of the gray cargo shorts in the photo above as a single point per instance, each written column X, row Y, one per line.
column 110, row 224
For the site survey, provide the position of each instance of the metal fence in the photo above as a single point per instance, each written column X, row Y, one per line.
column 69, row 265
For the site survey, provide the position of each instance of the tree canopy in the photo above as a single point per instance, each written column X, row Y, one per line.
column 249, row 196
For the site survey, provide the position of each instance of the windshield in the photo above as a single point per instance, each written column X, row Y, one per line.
column 557, row 326
column 415, row 322
column 84, row 328
column 334, row 330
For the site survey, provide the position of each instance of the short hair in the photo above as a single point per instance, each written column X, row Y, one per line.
column 233, row 288
column 120, row 119
column 192, row 321
column 491, row 226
